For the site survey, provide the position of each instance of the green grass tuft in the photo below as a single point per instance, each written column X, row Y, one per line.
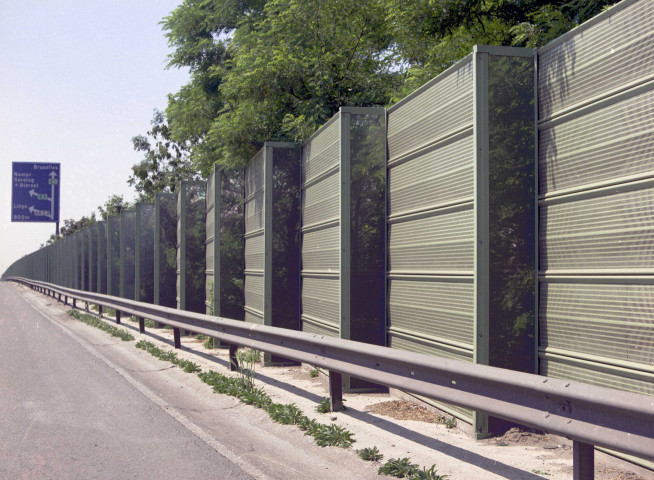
column 370, row 454
column 168, row 356
column 399, row 468
column 324, row 406
column 96, row 322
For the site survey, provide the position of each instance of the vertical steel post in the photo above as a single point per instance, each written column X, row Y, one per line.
column 335, row 391
column 481, row 226
column 141, row 325
column 118, row 317
column 583, row 456
column 177, row 338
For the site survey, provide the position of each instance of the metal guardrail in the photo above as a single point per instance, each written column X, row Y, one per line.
column 588, row 415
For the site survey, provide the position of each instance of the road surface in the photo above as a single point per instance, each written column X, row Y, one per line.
column 77, row 403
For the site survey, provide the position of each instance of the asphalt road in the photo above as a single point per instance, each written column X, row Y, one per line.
column 78, row 403
column 65, row 414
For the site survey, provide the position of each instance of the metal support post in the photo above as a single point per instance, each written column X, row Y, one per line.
column 100, row 310
column 118, row 317
column 233, row 360
column 583, row 457
column 335, row 391
column 141, row 325
column 177, row 338
column 65, row 299
column 74, row 303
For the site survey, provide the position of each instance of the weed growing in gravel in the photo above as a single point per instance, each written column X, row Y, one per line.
column 430, row 474
column 314, row 373
column 169, row 356
column 324, row 406
column 287, row 414
column 247, row 362
column 399, row 468
column 208, row 343
column 334, row 435
column 96, row 322
column 370, row 454
column 448, row 422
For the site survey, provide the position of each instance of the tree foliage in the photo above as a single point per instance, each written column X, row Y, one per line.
column 165, row 161
column 278, row 69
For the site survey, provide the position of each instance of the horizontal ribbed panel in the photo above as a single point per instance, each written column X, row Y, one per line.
column 441, row 109
column 254, row 208
column 254, row 252
column 254, row 175
column 609, row 54
column 209, row 232
column 321, row 201
column 309, row 327
column 442, row 242
column 436, row 177
column 611, row 320
column 592, row 374
column 320, row 299
column 416, row 345
column 613, row 142
column 209, row 257
column 253, row 318
column 321, row 152
column 320, row 250
column 254, row 292
column 613, row 231
column 437, row 308
column 428, row 348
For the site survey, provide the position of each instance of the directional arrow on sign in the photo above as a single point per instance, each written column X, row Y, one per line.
column 33, row 193
column 40, row 213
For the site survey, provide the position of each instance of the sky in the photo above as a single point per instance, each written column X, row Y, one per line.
column 78, row 80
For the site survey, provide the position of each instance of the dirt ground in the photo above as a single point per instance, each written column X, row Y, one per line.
column 400, row 428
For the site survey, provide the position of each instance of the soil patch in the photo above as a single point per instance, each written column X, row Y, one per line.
column 402, row 410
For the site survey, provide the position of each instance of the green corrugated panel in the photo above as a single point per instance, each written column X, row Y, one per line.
column 609, row 52
column 255, row 247
column 450, row 153
column 343, row 225
column 596, row 99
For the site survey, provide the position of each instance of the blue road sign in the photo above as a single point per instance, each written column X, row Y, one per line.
column 35, row 192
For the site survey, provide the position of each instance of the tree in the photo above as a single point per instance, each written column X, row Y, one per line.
column 278, row 69
column 113, row 206
column 165, row 162
column 71, row 226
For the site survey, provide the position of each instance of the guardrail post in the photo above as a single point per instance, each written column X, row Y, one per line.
column 100, row 310
column 233, row 360
column 65, row 299
column 335, row 391
column 74, row 303
column 177, row 337
column 141, row 325
column 87, row 306
column 118, row 317
column 583, row 457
